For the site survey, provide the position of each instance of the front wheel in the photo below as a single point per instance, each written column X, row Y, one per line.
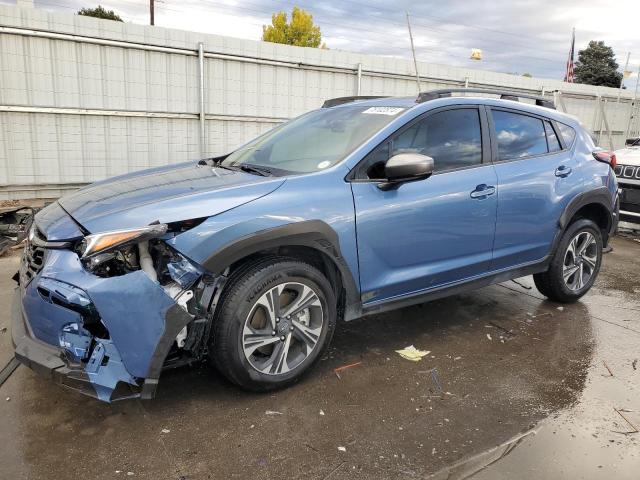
column 575, row 264
column 274, row 321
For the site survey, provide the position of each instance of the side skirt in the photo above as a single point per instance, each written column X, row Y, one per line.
column 454, row 289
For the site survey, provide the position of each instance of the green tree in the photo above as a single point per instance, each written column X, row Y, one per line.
column 300, row 31
column 100, row 12
column 597, row 65
column 527, row 74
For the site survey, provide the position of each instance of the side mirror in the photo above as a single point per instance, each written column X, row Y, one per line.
column 406, row 167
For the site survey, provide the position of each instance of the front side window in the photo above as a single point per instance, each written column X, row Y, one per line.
column 518, row 135
column 452, row 138
column 314, row 141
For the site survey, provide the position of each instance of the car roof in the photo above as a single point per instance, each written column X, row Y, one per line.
column 410, row 103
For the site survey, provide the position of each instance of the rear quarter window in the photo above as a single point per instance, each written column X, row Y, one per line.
column 568, row 134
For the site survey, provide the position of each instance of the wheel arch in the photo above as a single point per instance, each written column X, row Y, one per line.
column 595, row 205
column 313, row 241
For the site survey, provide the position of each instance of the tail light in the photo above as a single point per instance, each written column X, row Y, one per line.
column 606, row 157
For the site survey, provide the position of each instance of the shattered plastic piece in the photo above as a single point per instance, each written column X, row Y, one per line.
column 183, row 272
column 342, row 449
column 8, row 399
column 272, row 412
column 321, row 413
column 489, row 336
column 412, row 353
column 165, row 430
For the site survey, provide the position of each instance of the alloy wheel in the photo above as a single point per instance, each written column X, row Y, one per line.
column 580, row 260
column 282, row 328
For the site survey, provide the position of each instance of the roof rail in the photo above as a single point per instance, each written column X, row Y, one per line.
column 340, row 100
column 504, row 95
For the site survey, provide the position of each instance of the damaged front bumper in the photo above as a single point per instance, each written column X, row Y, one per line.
column 104, row 337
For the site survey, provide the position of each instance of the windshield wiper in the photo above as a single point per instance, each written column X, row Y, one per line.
column 265, row 172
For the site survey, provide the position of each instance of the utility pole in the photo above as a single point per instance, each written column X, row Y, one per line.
column 413, row 50
column 626, row 65
column 151, row 13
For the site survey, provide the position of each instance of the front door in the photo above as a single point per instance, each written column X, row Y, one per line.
column 434, row 232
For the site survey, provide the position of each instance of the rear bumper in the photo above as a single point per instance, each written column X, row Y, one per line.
column 51, row 362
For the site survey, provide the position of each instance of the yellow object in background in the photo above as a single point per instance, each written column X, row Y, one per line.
column 476, row 54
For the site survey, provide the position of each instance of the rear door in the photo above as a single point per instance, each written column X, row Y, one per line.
column 537, row 177
column 433, row 232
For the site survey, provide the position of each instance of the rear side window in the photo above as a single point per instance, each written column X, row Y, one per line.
column 552, row 139
column 518, row 135
column 568, row 134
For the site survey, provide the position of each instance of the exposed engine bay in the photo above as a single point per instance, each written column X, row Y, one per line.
column 187, row 284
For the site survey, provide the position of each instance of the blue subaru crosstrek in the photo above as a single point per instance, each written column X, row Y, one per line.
column 362, row 206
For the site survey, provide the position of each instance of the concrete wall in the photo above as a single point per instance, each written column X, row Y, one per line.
column 82, row 99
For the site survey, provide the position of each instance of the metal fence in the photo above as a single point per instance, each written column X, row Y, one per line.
column 83, row 99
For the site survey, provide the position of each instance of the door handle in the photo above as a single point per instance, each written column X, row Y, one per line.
column 483, row 191
column 563, row 171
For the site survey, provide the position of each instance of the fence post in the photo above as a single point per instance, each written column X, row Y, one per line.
column 203, row 140
column 359, row 83
column 606, row 125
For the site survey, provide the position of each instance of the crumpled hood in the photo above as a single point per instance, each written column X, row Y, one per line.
column 628, row 156
column 164, row 194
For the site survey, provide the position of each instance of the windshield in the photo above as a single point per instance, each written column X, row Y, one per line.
column 314, row 141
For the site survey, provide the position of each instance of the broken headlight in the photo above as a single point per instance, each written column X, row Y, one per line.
column 100, row 243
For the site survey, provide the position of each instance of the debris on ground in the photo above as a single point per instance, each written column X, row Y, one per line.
column 607, row 367
column 15, row 222
column 8, row 399
column 543, row 314
column 165, row 430
column 321, row 413
column 526, row 287
column 3, row 329
column 635, row 429
column 272, row 412
column 412, row 353
column 436, row 379
column 344, row 367
column 634, row 364
column 489, row 336
column 342, row 449
column 560, row 308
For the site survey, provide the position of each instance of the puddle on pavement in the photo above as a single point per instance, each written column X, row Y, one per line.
column 508, row 363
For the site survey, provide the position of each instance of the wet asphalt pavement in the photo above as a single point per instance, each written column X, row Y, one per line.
column 514, row 387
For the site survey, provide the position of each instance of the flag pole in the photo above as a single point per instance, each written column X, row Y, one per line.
column 568, row 73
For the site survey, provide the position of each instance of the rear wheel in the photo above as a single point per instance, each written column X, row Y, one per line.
column 274, row 321
column 575, row 264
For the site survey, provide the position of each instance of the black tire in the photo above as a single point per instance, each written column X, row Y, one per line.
column 552, row 283
column 249, row 285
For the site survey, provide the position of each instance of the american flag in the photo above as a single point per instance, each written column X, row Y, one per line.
column 568, row 76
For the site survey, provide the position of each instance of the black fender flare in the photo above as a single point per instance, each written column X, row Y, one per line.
column 314, row 234
column 600, row 196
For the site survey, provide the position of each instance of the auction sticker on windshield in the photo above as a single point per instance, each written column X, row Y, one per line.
column 383, row 110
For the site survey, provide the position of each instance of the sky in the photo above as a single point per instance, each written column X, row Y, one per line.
column 515, row 36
